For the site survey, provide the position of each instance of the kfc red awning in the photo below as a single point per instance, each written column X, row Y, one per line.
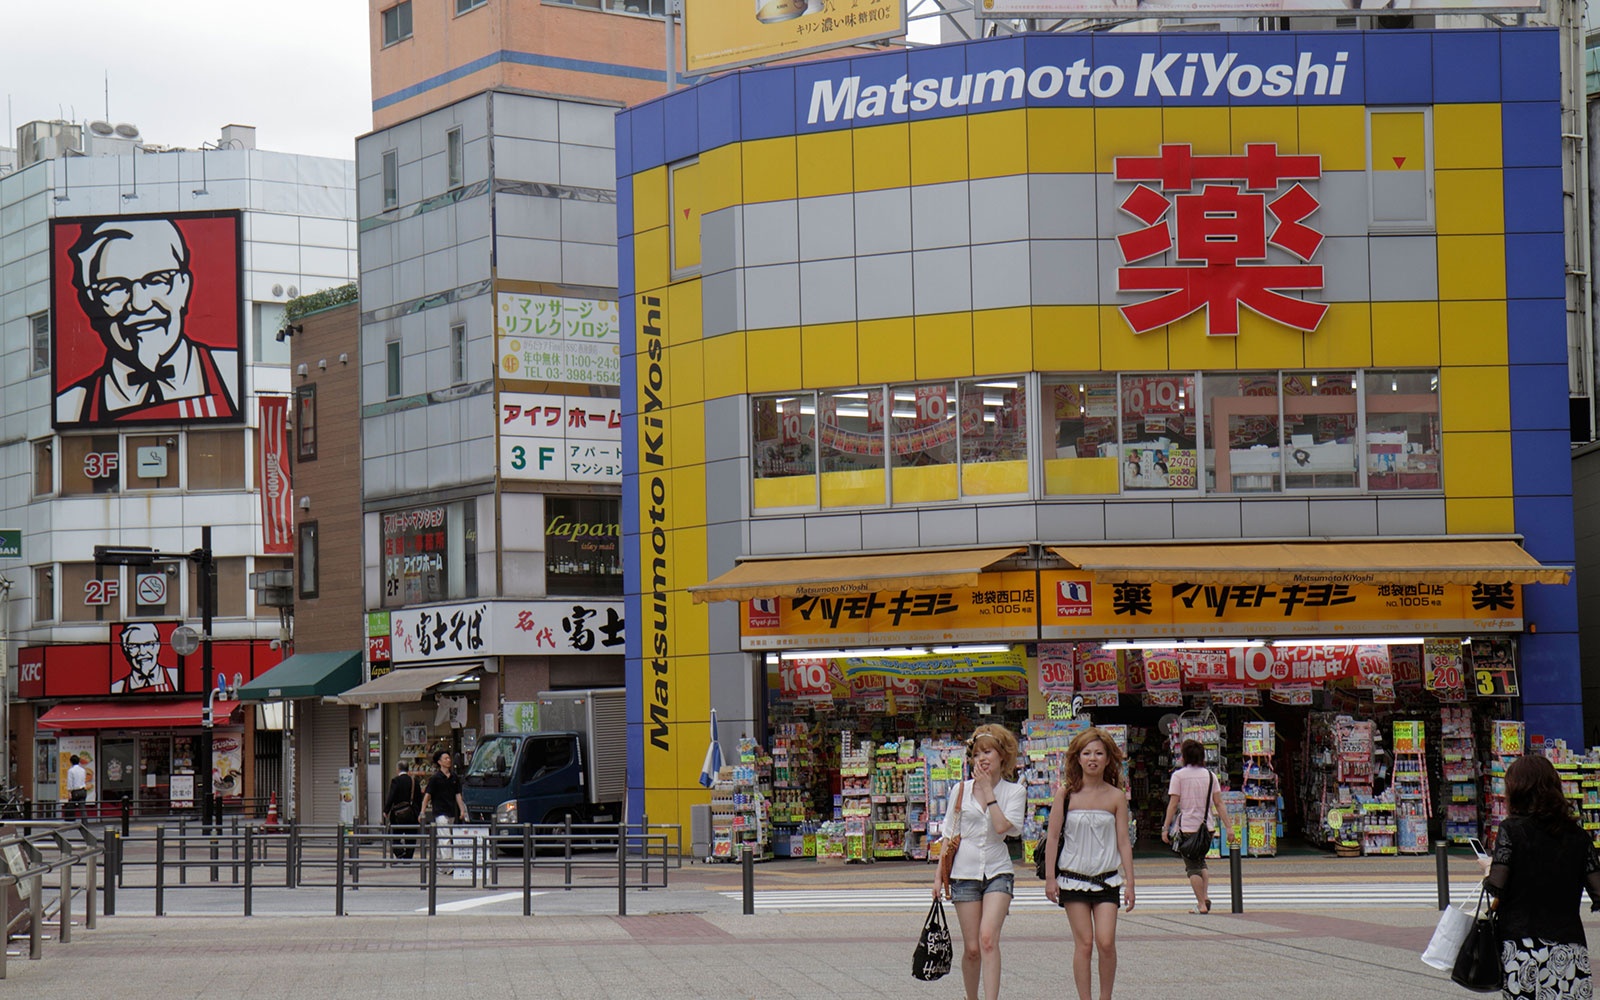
column 134, row 715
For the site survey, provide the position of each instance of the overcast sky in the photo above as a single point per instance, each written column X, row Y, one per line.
column 181, row 69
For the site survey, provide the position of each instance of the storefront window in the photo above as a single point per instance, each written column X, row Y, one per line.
column 922, row 437
column 231, row 590
column 1402, row 410
column 90, row 464
column 151, row 461
column 582, row 545
column 994, row 437
column 1158, row 433
column 1244, row 452
column 783, row 429
column 216, row 460
column 1080, row 418
column 91, row 593
column 850, row 447
column 1319, row 430
column 430, row 553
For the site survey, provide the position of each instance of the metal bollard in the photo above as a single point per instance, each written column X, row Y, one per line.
column 126, row 817
column 355, row 859
column 291, row 854
column 183, row 852
column 433, row 870
column 249, row 870
column 91, row 887
column 233, row 848
column 338, row 880
column 622, row 874
column 161, row 871
column 566, row 829
column 1441, row 863
column 36, row 919
column 113, row 872
column 64, row 914
column 1236, row 876
column 527, row 869
column 749, row 879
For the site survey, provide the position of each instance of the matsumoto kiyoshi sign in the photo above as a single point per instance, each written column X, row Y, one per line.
column 1153, row 75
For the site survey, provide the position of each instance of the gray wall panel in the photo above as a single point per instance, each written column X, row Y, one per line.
column 939, row 216
column 1276, row 519
column 833, row 533
column 1072, row 522
column 827, row 227
column 999, row 207
column 1150, row 519
column 1206, row 519
column 1011, row 523
column 1352, row 518
column 777, row 535
column 883, row 221
column 1411, row 516
column 948, row 526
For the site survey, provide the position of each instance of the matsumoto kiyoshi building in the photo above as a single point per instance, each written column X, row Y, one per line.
column 1168, row 371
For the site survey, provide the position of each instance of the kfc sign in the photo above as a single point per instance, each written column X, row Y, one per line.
column 1219, row 206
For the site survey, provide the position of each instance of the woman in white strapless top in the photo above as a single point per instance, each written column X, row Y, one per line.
column 1092, row 870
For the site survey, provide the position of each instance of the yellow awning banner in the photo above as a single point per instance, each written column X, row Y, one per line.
column 1443, row 562
column 829, row 575
column 1011, row 662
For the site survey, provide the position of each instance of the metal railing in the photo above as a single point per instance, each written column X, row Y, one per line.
column 532, row 857
column 39, row 861
column 14, row 809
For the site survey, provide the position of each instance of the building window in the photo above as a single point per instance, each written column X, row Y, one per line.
column 1244, row 444
column 233, row 596
column 994, row 437
column 151, row 461
column 90, row 463
column 391, row 367
column 397, row 22
column 922, row 443
column 850, row 426
column 44, row 469
column 684, row 221
column 305, row 422
column 44, row 593
column 391, row 179
column 458, row 352
column 216, row 460
column 452, row 153
column 1080, row 416
column 1319, row 431
column 1402, row 410
column 429, row 553
column 1400, row 168
column 39, row 327
column 1158, row 432
column 91, row 593
column 784, row 450
column 306, row 559
column 268, row 338
column 462, row 6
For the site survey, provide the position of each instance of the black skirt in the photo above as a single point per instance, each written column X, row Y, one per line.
column 1094, row 897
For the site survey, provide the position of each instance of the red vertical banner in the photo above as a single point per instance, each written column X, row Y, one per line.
column 277, row 501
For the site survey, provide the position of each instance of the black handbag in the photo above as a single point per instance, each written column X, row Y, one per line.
column 1478, row 965
column 1042, row 848
column 934, row 953
column 1197, row 844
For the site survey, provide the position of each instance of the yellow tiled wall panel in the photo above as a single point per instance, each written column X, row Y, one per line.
column 724, row 361
column 1475, row 399
column 1472, row 267
column 769, row 169
column 1405, row 334
column 1466, row 136
column 944, row 345
column 1061, row 140
column 1005, row 339
column 938, row 150
column 887, row 350
column 773, row 359
column 1337, row 133
column 1207, row 131
column 650, row 199
column 1067, row 338
column 1265, row 344
column 997, row 143
column 1343, row 338
column 650, row 259
column 829, row 161
column 1469, row 202
column 828, row 355
column 1472, row 333
column 1476, row 463
column 1479, row 516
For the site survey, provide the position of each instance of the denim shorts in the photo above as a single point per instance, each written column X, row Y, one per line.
column 972, row 890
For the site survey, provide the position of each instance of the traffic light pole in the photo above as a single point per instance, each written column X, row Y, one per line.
column 208, row 603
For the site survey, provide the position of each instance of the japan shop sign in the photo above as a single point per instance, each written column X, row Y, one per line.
column 1076, row 606
column 560, row 438
column 1002, row 607
column 545, row 338
column 507, row 628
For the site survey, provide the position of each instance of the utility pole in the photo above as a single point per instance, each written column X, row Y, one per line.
column 208, row 603
column 5, row 682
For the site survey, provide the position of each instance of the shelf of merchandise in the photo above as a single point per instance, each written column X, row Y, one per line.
column 1380, row 830
column 1044, row 751
column 942, row 767
column 1408, row 785
column 1507, row 740
column 1337, row 775
column 917, row 810
column 1259, row 784
column 794, row 777
column 1458, row 763
column 892, row 765
column 739, row 804
column 855, row 774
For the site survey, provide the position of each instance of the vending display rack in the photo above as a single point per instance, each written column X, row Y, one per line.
column 1458, row 767
column 739, row 804
column 892, row 765
column 1337, row 776
column 855, row 792
column 1044, row 751
column 944, row 764
column 1507, row 741
column 1259, row 784
column 1408, row 786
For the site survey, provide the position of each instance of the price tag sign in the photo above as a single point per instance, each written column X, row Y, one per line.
column 1496, row 682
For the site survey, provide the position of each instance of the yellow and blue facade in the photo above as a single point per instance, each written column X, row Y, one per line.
column 856, row 222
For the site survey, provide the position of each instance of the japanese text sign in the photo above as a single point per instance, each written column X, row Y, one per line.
column 1010, row 662
column 721, row 34
column 507, row 628
column 560, row 438
column 1002, row 608
column 547, row 338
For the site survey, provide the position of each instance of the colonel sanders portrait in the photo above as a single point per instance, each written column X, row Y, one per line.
column 135, row 285
column 141, row 652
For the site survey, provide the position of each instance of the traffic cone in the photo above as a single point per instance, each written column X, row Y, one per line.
column 272, row 813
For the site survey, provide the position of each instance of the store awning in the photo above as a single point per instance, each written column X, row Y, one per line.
column 405, row 684
column 1464, row 562
column 306, row 675
column 827, row 575
column 134, row 714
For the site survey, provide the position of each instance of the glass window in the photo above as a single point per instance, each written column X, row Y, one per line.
column 305, row 421
column 397, row 22
column 1402, row 430
column 850, row 447
column 1080, row 434
column 233, row 595
column 270, row 340
column 783, row 431
column 462, row 6
column 994, row 437
column 923, row 442
column 430, row 553
column 306, row 555
column 216, row 460
column 1244, row 452
column 91, row 593
column 90, row 464
column 1400, row 168
column 1158, row 433
column 1319, row 430
column 452, row 155
column 458, row 352
column 44, row 470
column 151, row 461
column 391, row 179
column 44, row 593
column 39, row 327
column 391, row 367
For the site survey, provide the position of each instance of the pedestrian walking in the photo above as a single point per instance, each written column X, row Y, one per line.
column 444, row 795
column 983, row 811
column 1092, row 870
column 1193, row 797
column 77, row 788
column 1543, row 860
column 402, row 809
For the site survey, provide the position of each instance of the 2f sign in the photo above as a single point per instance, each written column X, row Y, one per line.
column 100, row 592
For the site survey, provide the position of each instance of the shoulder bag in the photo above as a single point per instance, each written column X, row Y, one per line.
column 1196, row 844
column 951, row 842
column 1043, row 848
column 934, row 954
column 405, row 814
column 1478, row 966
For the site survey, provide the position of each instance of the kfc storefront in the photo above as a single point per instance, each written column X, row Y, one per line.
column 132, row 710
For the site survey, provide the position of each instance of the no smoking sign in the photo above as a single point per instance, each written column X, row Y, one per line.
column 150, row 588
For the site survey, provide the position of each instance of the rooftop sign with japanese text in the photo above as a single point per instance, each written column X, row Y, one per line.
column 479, row 629
column 1211, row 8
column 722, row 34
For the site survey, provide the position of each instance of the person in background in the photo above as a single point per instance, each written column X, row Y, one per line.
column 1543, row 861
column 1092, row 871
column 77, row 788
column 982, row 880
column 444, row 794
column 1192, row 795
column 402, row 809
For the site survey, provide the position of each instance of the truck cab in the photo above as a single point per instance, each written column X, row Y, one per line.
column 527, row 778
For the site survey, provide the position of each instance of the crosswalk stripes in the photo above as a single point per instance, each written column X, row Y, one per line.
column 1267, row 896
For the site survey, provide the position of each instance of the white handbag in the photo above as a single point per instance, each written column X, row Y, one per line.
column 1454, row 925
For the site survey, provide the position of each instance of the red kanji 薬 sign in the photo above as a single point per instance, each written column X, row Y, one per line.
column 1220, row 227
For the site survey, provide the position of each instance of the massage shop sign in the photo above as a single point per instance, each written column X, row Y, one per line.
column 507, row 628
column 1002, row 607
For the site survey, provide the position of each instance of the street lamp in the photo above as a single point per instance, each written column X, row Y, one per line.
column 142, row 555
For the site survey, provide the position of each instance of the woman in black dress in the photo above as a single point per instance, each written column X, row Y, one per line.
column 1542, row 862
column 402, row 808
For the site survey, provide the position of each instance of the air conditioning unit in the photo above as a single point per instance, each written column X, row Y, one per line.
column 40, row 140
column 272, row 579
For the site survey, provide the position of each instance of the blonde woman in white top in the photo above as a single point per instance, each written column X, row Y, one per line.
column 1093, row 867
column 981, row 880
